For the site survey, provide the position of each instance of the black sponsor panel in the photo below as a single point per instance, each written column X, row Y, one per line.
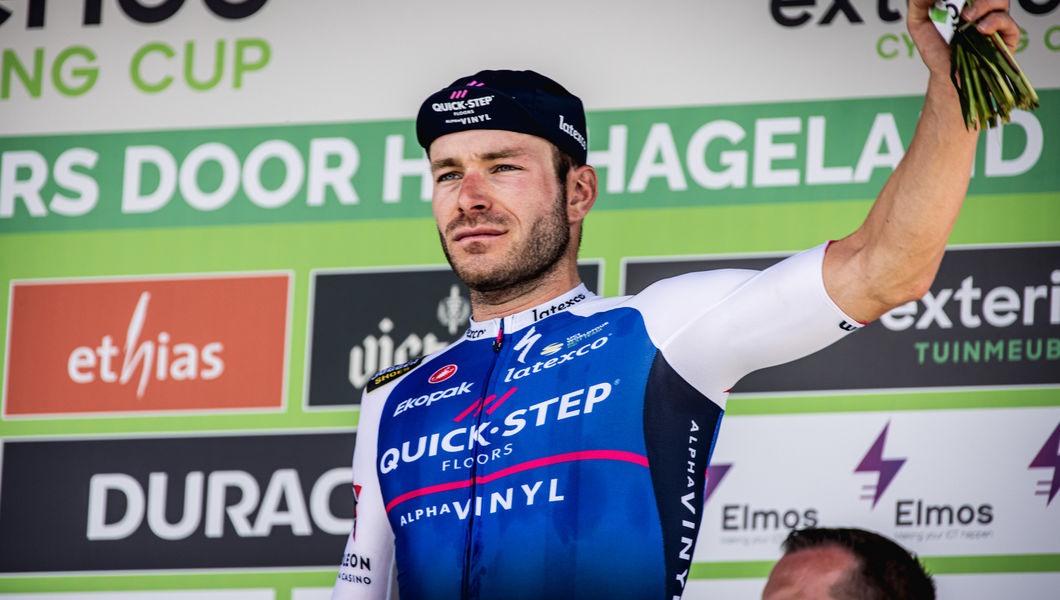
column 365, row 322
column 992, row 317
column 175, row 503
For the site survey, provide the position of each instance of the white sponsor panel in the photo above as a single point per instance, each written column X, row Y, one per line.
column 953, row 482
column 311, row 594
column 991, row 586
column 251, row 70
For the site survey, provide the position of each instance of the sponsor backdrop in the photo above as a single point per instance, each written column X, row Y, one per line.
column 215, row 226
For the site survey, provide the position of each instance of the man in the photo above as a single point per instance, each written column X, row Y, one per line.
column 559, row 448
column 846, row 564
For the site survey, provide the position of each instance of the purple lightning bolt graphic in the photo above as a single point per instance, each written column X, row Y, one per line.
column 1049, row 457
column 715, row 473
column 874, row 462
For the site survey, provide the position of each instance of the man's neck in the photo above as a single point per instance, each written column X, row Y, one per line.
column 493, row 304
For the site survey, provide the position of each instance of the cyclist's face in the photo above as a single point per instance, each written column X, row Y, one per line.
column 500, row 209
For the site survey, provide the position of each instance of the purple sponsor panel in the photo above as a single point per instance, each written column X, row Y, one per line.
column 365, row 321
column 194, row 502
column 991, row 318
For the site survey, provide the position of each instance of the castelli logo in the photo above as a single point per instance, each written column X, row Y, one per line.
column 135, row 345
column 442, row 374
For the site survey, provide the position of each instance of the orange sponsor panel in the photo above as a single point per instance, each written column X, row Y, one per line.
column 184, row 343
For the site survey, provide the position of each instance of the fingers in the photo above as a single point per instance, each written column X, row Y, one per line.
column 993, row 17
column 979, row 8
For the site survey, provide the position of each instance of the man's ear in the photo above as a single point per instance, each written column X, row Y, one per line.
column 581, row 192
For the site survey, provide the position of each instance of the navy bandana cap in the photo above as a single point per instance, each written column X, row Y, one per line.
column 520, row 101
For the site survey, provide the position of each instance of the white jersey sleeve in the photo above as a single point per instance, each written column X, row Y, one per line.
column 367, row 571
column 714, row 327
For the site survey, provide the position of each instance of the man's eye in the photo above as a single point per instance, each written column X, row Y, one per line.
column 506, row 168
column 450, row 176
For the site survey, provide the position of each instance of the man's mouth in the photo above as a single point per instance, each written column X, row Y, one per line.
column 477, row 234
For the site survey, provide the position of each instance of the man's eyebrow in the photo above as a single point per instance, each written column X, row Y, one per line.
column 444, row 163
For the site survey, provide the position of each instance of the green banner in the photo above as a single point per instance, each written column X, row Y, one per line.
column 652, row 158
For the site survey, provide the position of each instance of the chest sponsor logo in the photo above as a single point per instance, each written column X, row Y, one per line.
column 131, row 345
column 429, row 399
column 485, row 438
column 515, row 374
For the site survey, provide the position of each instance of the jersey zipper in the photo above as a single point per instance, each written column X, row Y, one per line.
column 498, row 344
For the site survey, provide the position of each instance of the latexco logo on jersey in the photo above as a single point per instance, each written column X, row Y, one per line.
column 190, row 343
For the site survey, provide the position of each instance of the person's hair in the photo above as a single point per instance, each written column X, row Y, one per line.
column 884, row 569
column 563, row 163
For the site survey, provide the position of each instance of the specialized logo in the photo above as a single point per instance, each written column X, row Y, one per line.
column 874, row 462
column 528, row 340
column 442, row 374
column 147, row 345
column 1049, row 458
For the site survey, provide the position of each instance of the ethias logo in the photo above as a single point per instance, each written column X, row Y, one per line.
column 146, row 345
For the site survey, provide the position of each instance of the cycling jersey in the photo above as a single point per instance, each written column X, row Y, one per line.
column 561, row 452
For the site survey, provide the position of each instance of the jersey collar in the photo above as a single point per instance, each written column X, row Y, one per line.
column 512, row 323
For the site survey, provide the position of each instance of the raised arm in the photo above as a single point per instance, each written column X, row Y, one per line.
column 893, row 257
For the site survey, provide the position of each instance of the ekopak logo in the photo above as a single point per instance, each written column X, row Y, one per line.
column 131, row 345
column 1049, row 458
column 874, row 462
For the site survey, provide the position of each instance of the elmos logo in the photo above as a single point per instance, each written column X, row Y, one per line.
column 874, row 462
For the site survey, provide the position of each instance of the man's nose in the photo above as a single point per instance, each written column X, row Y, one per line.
column 474, row 193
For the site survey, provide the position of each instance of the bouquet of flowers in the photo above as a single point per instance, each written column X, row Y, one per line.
column 989, row 82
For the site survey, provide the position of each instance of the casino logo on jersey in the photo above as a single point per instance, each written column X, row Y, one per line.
column 362, row 322
column 992, row 317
